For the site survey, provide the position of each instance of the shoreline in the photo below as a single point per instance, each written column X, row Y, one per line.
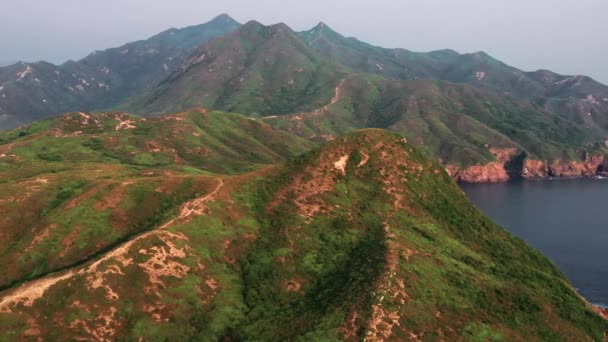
column 531, row 179
column 601, row 310
column 506, row 197
column 511, row 163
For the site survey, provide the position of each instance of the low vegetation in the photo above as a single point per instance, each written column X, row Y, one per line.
column 364, row 238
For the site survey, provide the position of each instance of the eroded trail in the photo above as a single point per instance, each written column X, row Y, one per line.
column 30, row 291
column 337, row 97
column 195, row 207
column 5, row 150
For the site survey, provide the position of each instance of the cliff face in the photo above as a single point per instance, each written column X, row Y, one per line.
column 512, row 163
column 603, row 312
column 590, row 167
column 490, row 173
column 494, row 172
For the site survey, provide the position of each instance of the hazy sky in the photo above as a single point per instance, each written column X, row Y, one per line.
column 567, row 36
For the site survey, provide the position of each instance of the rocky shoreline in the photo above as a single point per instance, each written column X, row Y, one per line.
column 603, row 312
column 512, row 164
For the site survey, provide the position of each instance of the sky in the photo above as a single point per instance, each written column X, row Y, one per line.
column 566, row 36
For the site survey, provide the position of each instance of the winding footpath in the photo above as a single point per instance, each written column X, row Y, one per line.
column 32, row 290
column 337, row 97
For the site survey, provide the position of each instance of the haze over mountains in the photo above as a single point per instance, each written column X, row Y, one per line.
column 103, row 79
column 7, row 63
column 392, row 63
column 264, row 71
column 576, row 96
column 243, row 187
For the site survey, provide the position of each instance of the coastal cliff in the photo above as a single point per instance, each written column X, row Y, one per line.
column 603, row 312
column 590, row 167
column 514, row 164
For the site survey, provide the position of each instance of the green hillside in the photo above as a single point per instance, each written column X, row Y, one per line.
column 259, row 70
column 361, row 239
column 71, row 173
column 457, row 124
column 320, row 85
column 577, row 98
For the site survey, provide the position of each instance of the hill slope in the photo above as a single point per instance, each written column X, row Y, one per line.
column 363, row 238
column 577, row 98
column 477, row 134
column 30, row 91
column 90, row 181
column 363, row 57
column 256, row 70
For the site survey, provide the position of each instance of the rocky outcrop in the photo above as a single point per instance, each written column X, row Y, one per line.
column 603, row 312
column 535, row 169
column 511, row 164
column 591, row 166
column 494, row 172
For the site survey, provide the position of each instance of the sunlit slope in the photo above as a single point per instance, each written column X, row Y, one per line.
column 363, row 238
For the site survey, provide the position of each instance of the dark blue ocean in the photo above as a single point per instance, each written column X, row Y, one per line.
column 567, row 220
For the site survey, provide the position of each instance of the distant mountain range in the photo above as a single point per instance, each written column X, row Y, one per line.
column 31, row 91
column 246, row 187
column 468, row 110
column 257, row 69
column 7, row 63
column 580, row 98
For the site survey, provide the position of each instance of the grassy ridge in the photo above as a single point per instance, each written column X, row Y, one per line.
column 259, row 70
column 578, row 99
column 89, row 186
column 454, row 123
column 364, row 237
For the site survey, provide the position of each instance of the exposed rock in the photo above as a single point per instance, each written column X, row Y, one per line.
column 535, row 169
column 494, row 172
column 594, row 163
column 603, row 312
column 341, row 164
column 563, row 169
column 511, row 163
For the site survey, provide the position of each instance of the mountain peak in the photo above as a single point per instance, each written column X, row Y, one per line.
column 281, row 27
column 480, row 54
column 322, row 30
column 223, row 18
column 252, row 24
column 481, row 57
column 255, row 27
column 322, row 27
